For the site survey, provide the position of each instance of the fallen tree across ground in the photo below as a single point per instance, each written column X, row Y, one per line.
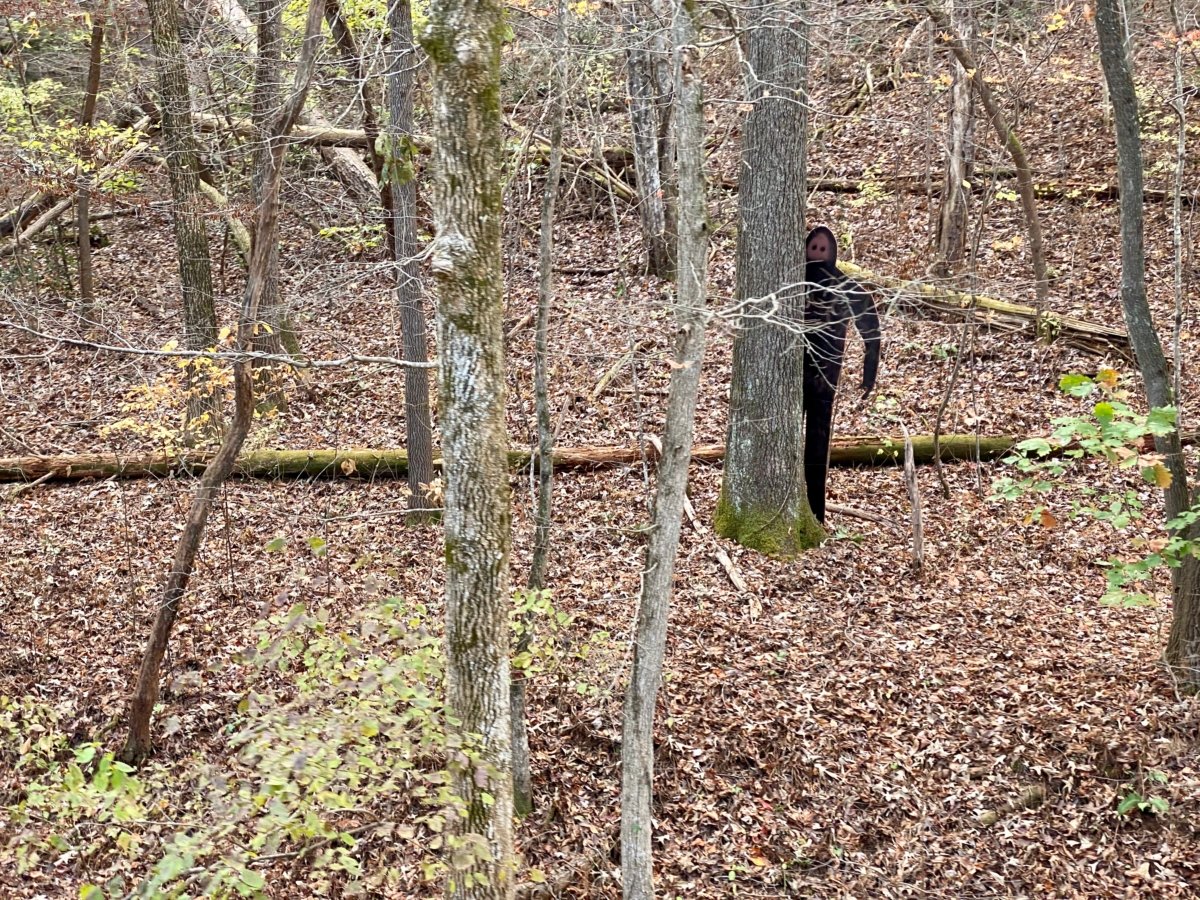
column 847, row 451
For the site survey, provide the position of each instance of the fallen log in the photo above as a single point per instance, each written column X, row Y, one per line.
column 1047, row 326
column 368, row 463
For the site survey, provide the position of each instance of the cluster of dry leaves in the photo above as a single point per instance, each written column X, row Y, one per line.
column 837, row 725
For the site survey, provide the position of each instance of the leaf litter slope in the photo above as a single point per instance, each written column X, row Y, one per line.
column 836, row 729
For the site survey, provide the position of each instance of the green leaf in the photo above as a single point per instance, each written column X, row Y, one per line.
column 1076, row 385
column 1161, row 419
column 1131, row 802
column 275, row 545
column 91, row 892
column 1104, row 411
column 1039, row 446
column 253, row 880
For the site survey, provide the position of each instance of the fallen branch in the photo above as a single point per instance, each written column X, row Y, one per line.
column 368, row 463
column 1048, row 326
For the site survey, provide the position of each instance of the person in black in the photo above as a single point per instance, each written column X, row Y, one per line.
column 832, row 300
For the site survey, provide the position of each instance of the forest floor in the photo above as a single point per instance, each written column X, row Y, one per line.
column 837, row 729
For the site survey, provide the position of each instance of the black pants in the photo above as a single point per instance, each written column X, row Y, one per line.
column 825, row 346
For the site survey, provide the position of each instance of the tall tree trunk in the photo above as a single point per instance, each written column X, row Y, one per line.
column 191, row 239
column 650, row 640
column 544, row 455
column 763, row 503
column 1008, row 137
column 87, row 294
column 400, row 172
column 463, row 43
column 1183, row 642
column 265, row 99
column 956, row 193
column 649, row 113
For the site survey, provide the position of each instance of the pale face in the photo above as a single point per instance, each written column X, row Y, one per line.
column 821, row 247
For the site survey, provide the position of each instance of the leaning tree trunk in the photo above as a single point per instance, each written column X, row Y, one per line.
column 650, row 640
column 463, row 43
column 649, row 103
column 763, row 502
column 400, row 173
column 141, row 705
column 1008, row 137
column 191, row 238
column 956, row 192
column 1183, row 643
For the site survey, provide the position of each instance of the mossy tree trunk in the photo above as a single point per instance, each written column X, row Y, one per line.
column 463, row 41
column 763, row 503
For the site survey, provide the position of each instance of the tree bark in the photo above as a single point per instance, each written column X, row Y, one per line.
column 191, row 238
column 650, row 639
column 763, row 503
column 544, row 454
column 1045, row 326
column 1183, row 643
column 649, row 104
column 1008, row 137
column 138, row 744
column 87, row 294
column 367, row 463
column 264, row 105
column 400, row 174
column 462, row 41
column 956, row 192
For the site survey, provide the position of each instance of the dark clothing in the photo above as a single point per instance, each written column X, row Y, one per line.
column 832, row 301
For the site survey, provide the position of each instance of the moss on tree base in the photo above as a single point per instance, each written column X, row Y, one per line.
column 768, row 530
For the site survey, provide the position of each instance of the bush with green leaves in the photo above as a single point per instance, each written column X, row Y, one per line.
column 337, row 763
column 1114, row 432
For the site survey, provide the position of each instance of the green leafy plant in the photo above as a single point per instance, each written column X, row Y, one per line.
column 1140, row 798
column 1114, row 432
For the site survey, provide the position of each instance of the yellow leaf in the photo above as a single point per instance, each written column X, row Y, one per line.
column 170, row 345
column 1107, row 377
column 1162, row 477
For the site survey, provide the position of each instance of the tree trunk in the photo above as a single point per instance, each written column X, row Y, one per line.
column 400, row 172
column 649, row 101
column 544, row 455
column 463, row 41
column 845, row 451
column 141, row 706
column 87, row 294
column 956, row 193
column 1008, row 137
column 352, row 59
column 650, row 640
column 1183, row 643
column 265, row 99
column 191, row 239
column 763, row 503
